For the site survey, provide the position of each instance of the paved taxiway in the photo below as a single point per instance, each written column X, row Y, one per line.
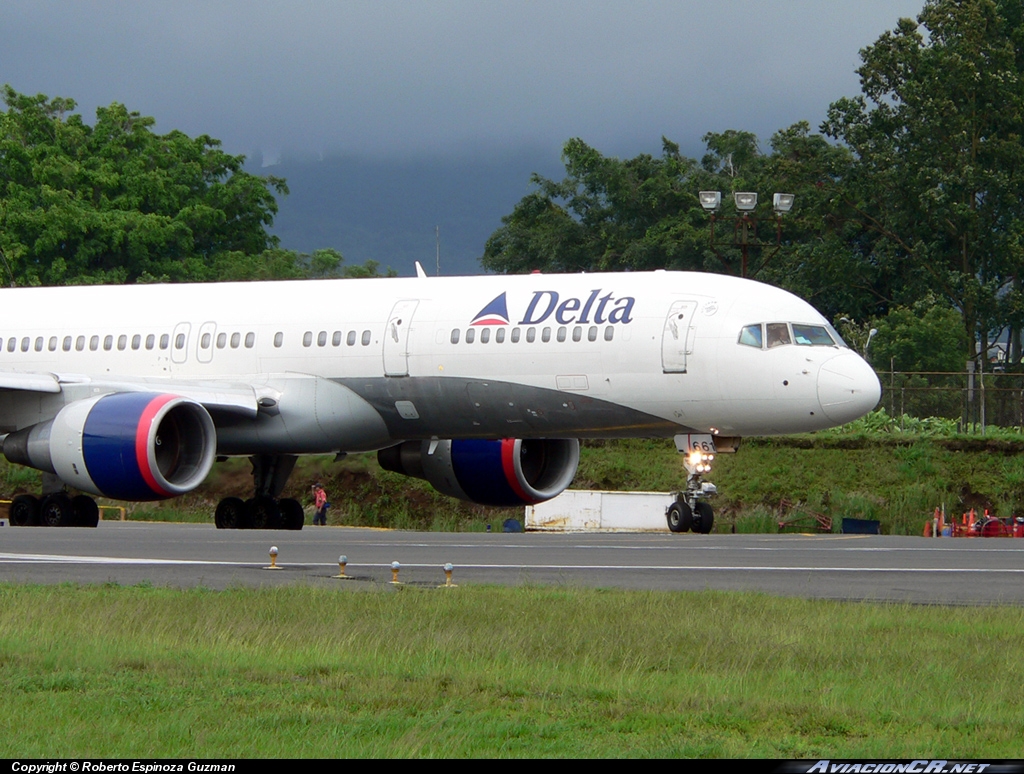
column 828, row 566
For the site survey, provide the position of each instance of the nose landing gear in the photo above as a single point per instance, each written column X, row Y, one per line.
column 691, row 510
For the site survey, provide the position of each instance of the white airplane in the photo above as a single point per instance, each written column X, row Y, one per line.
column 480, row 385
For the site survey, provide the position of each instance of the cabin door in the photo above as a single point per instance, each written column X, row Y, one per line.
column 677, row 337
column 396, row 338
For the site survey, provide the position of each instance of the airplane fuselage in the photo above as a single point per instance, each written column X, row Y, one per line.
column 533, row 356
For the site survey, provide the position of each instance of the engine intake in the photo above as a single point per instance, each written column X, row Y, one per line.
column 509, row 472
column 127, row 446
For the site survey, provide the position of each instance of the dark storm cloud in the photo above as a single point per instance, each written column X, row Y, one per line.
column 401, row 78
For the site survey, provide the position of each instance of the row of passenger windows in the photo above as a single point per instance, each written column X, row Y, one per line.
column 236, row 340
column 321, row 339
column 108, row 342
column 780, row 334
column 561, row 334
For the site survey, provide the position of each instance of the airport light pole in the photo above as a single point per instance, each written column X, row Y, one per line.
column 744, row 235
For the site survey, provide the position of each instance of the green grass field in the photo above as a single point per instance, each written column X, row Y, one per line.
column 110, row 671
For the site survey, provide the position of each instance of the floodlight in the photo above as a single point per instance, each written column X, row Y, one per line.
column 745, row 200
column 710, row 200
column 782, row 203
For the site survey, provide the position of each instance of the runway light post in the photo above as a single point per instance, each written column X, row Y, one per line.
column 745, row 223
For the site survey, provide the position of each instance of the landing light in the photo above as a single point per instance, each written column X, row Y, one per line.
column 700, row 461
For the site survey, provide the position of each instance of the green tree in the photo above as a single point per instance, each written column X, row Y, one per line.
column 928, row 336
column 939, row 159
column 115, row 202
column 605, row 215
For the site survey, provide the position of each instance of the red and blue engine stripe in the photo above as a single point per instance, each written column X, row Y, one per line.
column 118, row 434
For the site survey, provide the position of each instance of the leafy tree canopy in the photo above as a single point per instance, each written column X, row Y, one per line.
column 115, row 202
column 937, row 136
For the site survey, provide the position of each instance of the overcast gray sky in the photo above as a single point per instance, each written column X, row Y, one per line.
column 398, row 78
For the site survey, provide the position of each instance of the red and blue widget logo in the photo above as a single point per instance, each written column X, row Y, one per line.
column 495, row 313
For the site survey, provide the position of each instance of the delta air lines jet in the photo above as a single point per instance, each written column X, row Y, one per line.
column 480, row 385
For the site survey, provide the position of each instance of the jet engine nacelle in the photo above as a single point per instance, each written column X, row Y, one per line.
column 127, row 446
column 510, row 472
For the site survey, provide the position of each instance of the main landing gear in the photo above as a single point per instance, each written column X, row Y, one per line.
column 55, row 509
column 264, row 510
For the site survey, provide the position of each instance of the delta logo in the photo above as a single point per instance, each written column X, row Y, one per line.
column 597, row 309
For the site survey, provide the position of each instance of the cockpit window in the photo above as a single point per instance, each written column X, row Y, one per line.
column 836, row 337
column 751, row 336
column 812, row 336
column 778, row 334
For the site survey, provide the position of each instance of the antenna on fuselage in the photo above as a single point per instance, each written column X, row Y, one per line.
column 419, row 270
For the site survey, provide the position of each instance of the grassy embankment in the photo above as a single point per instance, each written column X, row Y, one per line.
column 108, row 671
column 871, row 469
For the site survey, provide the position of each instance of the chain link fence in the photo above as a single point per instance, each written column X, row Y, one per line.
column 974, row 400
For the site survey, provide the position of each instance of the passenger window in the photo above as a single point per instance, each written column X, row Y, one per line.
column 122, row 342
column 205, row 341
column 545, row 335
column 515, row 335
column 250, row 340
column 278, row 339
column 336, row 339
column 108, row 343
column 94, row 343
column 136, row 341
column 179, row 341
column 25, row 344
column 53, row 344
column 577, row 333
column 485, row 335
column 236, row 339
column 165, row 340
column 351, row 340
column 751, row 336
column 307, row 339
column 12, row 344
column 80, row 343
column 531, row 335
column 66, row 345
column 470, row 335
column 150, row 341
column 499, row 335
column 778, row 335
column 366, row 338
column 561, row 334
column 609, row 332
column 592, row 333
column 321, row 339
column 39, row 343
column 455, row 336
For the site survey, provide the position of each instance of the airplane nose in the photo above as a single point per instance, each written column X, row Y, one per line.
column 848, row 388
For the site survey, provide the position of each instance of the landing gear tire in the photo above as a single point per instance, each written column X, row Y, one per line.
column 56, row 511
column 704, row 518
column 230, row 514
column 24, row 511
column 680, row 517
column 86, row 512
column 292, row 515
column 263, row 512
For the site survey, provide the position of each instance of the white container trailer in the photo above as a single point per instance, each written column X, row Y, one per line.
column 583, row 510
